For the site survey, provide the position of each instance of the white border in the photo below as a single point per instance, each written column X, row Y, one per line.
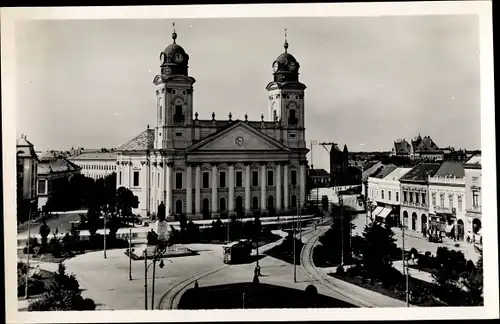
column 481, row 8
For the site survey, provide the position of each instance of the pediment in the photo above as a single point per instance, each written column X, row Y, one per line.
column 239, row 137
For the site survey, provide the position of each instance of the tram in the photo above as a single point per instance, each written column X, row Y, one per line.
column 237, row 251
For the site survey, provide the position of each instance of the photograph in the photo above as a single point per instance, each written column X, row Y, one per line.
column 320, row 161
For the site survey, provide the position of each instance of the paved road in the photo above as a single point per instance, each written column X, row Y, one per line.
column 345, row 291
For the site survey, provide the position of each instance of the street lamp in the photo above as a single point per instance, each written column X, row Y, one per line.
column 130, row 250
column 104, row 221
column 405, row 266
column 28, row 257
column 158, row 253
column 341, row 200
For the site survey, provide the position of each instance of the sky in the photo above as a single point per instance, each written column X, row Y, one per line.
column 370, row 80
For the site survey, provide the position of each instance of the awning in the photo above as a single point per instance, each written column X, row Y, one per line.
column 377, row 211
column 385, row 212
column 449, row 228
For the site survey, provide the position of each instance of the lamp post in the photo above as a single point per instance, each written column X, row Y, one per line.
column 158, row 252
column 129, row 252
column 294, row 240
column 28, row 258
column 405, row 267
column 342, row 231
column 105, row 217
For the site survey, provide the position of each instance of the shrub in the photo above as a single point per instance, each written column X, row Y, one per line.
column 152, row 238
column 413, row 253
column 56, row 247
column 35, row 287
column 340, row 270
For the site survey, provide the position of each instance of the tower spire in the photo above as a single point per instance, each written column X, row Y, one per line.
column 174, row 34
column 286, row 43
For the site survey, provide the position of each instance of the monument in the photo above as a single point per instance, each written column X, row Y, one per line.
column 161, row 226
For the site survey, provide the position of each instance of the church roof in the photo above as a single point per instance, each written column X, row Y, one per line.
column 142, row 142
column 402, row 147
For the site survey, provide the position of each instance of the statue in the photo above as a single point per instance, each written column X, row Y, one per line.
column 161, row 227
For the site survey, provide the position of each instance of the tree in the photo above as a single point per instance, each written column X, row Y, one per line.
column 192, row 232
column 126, row 200
column 183, row 221
column 44, row 233
column 473, row 282
column 378, row 251
column 64, row 295
column 330, row 250
column 92, row 220
column 450, row 266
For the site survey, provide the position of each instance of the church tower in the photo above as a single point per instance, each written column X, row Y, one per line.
column 174, row 98
column 286, row 99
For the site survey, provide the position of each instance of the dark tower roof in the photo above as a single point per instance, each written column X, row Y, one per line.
column 174, row 59
column 286, row 67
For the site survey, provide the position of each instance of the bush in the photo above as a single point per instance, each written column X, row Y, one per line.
column 340, row 270
column 152, row 238
column 56, row 247
column 35, row 287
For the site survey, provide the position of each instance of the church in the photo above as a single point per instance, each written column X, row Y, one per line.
column 218, row 167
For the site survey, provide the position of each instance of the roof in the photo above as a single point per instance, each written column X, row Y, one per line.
column 426, row 145
column 450, row 170
column 402, row 147
column 368, row 171
column 421, row 172
column 24, row 148
column 142, row 142
column 95, row 156
column 383, row 170
column 49, row 165
column 318, row 173
column 397, row 174
column 475, row 159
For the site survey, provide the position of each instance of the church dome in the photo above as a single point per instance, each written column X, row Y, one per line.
column 174, row 59
column 286, row 67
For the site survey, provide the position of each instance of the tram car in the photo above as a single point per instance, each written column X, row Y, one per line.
column 237, row 251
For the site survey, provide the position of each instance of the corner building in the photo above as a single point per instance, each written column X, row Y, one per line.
column 211, row 168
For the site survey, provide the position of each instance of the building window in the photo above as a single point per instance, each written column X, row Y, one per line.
column 294, row 177
column 178, row 116
column 42, row 189
column 239, row 179
column 382, row 194
column 417, row 198
column 222, row 179
column 397, row 196
column 292, row 120
column 120, row 178
column 292, row 135
column 222, row 204
column 405, row 196
column 475, row 198
column 441, row 197
column 159, row 179
column 390, row 194
column 450, row 199
column 423, row 198
column 136, row 178
column 433, row 199
column 411, row 197
column 270, row 178
column 459, row 203
column 255, row 178
column 475, row 179
column 178, row 180
column 206, row 180
column 178, row 134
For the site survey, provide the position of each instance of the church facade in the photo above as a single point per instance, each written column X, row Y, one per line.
column 209, row 168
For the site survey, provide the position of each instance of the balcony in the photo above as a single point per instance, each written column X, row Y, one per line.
column 474, row 209
column 444, row 210
column 179, row 119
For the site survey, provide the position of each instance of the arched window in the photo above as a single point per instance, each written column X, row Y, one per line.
column 222, row 204
column 178, row 206
column 255, row 203
column 292, row 119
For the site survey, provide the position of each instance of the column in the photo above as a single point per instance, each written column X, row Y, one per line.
column 147, row 168
column 215, row 203
column 278, row 187
column 189, row 190
column 302, row 174
column 231, row 189
column 163, row 192
column 197, row 192
column 263, row 186
column 168, row 189
column 247, row 187
column 285, row 187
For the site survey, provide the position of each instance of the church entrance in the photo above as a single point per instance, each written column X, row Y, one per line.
column 178, row 207
column 206, row 209
column 239, row 207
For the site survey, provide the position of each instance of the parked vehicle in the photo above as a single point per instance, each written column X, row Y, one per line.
column 238, row 251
